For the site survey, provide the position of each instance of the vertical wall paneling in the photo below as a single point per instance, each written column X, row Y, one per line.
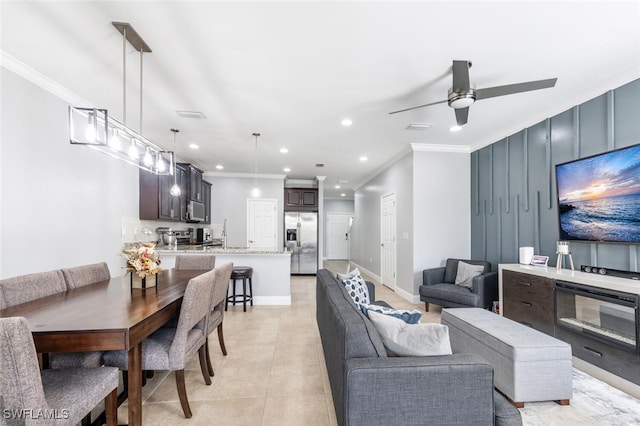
column 611, row 141
column 525, row 169
column 526, row 199
column 507, row 178
column 548, row 159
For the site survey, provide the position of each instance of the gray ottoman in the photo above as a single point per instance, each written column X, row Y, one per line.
column 529, row 365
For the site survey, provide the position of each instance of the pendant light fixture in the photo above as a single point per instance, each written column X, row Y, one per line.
column 255, row 192
column 93, row 127
column 175, row 189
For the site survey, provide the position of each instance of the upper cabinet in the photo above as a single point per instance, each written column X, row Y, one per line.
column 194, row 182
column 206, row 199
column 156, row 201
column 301, row 199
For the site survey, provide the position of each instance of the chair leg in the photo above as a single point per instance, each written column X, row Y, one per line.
column 182, row 393
column 125, row 388
column 111, row 408
column 251, row 291
column 426, row 306
column 221, row 340
column 209, row 365
column 204, row 365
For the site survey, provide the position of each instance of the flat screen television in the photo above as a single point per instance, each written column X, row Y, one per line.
column 599, row 197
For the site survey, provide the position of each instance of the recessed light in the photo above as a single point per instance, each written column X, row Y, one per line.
column 455, row 128
column 286, row 170
column 284, row 150
column 193, row 146
column 343, row 195
column 219, row 167
column 337, row 187
column 346, row 122
column 363, row 158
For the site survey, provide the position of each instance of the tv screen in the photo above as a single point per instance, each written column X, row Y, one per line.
column 599, row 197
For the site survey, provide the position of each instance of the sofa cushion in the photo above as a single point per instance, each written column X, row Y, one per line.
column 451, row 293
column 357, row 289
column 466, row 272
column 404, row 339
column 409, row 316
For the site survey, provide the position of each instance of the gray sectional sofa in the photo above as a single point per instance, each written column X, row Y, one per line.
column 371, row 388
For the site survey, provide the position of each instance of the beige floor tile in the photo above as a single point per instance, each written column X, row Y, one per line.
column 295, row 411
column 296, row 381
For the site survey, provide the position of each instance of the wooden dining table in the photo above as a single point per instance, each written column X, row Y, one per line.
column 107, row 315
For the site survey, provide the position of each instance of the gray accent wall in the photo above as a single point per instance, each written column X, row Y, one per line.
column 513, row 188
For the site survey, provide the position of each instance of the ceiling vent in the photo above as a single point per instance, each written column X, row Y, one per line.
column 191, row 114
column 419, row 126
column 319, row 164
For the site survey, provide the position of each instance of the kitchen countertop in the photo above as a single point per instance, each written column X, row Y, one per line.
column 218, row 250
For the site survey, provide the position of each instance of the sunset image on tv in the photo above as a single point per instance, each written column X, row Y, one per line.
column 599, row 197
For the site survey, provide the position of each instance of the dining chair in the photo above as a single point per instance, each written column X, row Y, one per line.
column 80, row 276
column 216, row 316
column 66, row 396
column 171, row 348
column 203, row 262
column 25, row 288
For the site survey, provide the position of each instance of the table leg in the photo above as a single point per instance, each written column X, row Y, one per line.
column 135, row 385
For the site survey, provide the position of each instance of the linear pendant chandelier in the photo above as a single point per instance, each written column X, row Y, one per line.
column 93, row 127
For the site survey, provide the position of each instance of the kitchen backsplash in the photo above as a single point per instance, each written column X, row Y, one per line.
column 136, row 230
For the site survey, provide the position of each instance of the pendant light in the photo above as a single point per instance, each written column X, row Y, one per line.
column 175, row 189
column 255, row 192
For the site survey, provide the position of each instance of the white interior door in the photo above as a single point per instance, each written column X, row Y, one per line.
column 262, row 224
column 388, row 240
column 338, row 235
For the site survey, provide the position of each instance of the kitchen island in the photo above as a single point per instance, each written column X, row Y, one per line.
column 271, row 268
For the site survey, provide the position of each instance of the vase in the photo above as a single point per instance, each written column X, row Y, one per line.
column 143, row 282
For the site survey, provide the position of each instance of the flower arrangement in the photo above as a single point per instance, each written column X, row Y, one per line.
column 142, row 259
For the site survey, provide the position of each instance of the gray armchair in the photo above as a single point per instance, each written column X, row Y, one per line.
column 438, row 286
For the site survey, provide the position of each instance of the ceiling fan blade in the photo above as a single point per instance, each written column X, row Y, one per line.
column 461, row 116
column 509, row 89
column 419, row 106
column 461, row 75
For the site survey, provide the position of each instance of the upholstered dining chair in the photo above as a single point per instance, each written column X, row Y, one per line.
column 204, row 262
column 67, row 395
column 25, row 288
column 86, row 274
column 171, row 348
column 216, row 316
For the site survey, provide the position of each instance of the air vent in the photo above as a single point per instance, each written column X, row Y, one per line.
column 191, row 114
column 419, row 126
column 319, row 164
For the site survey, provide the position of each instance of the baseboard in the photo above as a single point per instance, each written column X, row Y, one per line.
column 413, row 298
column 375, row 278
column 272, row 300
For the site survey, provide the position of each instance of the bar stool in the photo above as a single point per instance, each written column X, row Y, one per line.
column 243, row 273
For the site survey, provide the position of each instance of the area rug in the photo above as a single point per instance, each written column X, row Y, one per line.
column 594, row 402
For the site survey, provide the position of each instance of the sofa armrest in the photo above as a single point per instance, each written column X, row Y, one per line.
column 451, row 389
column 433, row 276
column 486, row 287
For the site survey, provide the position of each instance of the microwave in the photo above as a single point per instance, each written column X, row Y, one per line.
column 195, row 212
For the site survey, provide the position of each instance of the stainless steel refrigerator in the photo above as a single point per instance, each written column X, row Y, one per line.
column 301, row 238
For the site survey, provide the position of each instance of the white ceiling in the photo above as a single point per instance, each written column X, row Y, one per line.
column 293, row 70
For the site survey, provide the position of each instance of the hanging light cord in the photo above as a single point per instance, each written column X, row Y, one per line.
column 255, row 171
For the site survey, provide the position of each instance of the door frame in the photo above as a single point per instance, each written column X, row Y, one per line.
column 391, row 285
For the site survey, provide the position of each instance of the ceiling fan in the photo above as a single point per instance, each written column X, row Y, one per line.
column 463, row 94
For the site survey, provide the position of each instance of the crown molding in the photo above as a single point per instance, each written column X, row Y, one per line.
column 244, row 175
column 424, row 147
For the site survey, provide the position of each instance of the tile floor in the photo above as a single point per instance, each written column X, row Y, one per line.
column 274, row 373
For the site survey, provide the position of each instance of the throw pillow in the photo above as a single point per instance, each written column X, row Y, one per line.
column 357, row 289
column 466, row 272
column 410, row 317
column 404, row 339
column 350, row 274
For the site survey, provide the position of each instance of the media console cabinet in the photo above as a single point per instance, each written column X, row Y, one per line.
column 598, row 315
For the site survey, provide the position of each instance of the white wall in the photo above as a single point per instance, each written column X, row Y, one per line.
column 62, row 205
column 442, row 206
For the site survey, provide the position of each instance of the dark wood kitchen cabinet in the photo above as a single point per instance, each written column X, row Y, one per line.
column 193, row 182
column 206, row 199
column 528, row 299
column 156, row 201
column 301, row 199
